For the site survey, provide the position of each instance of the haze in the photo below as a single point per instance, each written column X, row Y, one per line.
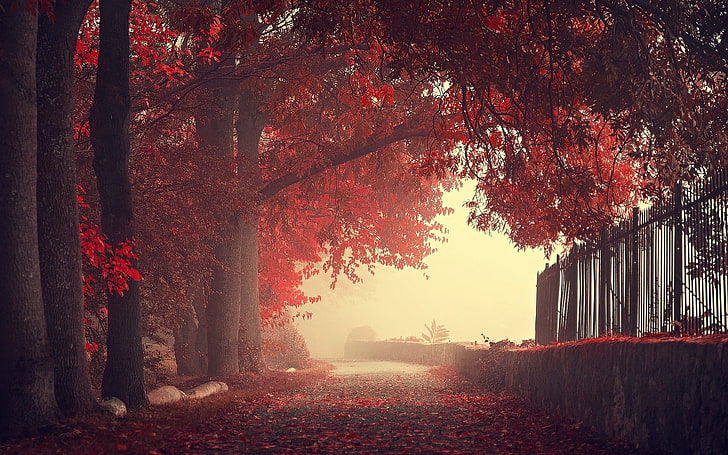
column 479, row 283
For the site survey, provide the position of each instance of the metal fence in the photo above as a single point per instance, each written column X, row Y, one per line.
column 664, row 270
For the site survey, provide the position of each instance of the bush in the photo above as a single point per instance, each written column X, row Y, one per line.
column 491, row 366
column 285, row 348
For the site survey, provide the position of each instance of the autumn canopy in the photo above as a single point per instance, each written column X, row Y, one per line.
column 223, row 152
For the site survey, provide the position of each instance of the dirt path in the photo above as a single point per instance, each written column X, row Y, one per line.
column 388, row 407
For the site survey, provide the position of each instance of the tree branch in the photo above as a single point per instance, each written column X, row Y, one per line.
column 399, row 133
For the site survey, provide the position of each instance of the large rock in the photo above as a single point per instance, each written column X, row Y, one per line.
column 165, row 395
column 206, row 389
column 115, row 406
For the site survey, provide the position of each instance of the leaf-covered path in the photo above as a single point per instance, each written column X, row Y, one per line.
column 386, row 407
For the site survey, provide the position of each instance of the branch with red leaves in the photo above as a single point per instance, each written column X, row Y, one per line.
column 399, row 133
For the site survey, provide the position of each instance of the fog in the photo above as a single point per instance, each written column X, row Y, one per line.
column 478, row 283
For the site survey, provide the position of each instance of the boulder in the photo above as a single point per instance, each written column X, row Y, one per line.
column 165, row 395
column 115, row 406
column 206, row 389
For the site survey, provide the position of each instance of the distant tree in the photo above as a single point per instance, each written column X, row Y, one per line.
column 363, row 333
column 436, row 333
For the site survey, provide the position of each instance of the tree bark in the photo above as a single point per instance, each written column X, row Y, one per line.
column 185, row 335
column 199, row 303
column 27, row 399
column 250, row 339
column 123, row 375
column 215, row 135
column 223, row 303
column 190, row 336
column 250, row 123
column 58, row 219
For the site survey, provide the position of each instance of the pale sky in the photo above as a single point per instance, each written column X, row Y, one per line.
column 479, row 283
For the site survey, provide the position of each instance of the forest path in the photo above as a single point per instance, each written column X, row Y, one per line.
column 390, row 407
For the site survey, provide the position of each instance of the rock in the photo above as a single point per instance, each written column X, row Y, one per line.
column 165, row 395
column 115, row 406
column 206, row 389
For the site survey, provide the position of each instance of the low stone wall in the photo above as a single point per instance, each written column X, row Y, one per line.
column 400, row 350
column 669, row 395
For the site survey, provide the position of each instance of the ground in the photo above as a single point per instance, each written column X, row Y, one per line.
column 355, row 408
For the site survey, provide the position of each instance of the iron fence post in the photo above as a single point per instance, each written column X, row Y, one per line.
column 634, row 274
column 571, row 277
column 603, row 282
column 678, row 266
column 540, row 333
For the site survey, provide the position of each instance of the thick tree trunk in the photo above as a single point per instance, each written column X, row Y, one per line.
column 27, row 399
column 250, row 349
column 58, row 221
column 123, row 375
column 215, row 135
column 250, row 123
column 223, row 304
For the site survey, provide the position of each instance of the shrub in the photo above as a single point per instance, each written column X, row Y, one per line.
column 285, row 348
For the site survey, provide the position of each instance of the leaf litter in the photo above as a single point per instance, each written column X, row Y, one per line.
column 391, row 411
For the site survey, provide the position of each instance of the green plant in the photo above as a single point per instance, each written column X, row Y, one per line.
column 436, row 333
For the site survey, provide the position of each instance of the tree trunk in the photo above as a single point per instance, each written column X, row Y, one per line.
column 190, row 344
column 223, row 304
column 26, row 377
column 251, row 349
column 58, row 219
column 185, row 335
column 215, row 135
column 250, row 123
column 199, row 303
column 124, row 372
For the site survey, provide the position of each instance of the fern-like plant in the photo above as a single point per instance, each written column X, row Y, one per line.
column 436, row 333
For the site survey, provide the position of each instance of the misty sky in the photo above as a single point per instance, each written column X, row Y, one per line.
column 479, row 283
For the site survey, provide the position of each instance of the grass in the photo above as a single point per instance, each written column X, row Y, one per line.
column 145, row 431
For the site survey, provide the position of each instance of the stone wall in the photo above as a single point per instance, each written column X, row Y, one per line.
column 669, row 395
column 400, row 350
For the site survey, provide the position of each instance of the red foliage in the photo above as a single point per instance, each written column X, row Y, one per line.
column 113, row 263
column 392, row 413
column 360, row 125
column 338, row 214
column 573, row 110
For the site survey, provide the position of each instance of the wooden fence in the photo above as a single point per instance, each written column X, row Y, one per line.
column 664, row 270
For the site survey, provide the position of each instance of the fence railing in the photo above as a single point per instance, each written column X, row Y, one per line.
column 664, row 270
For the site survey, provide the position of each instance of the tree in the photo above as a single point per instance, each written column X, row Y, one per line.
column 109, row 121
column 249, row 127
column 436, row 333
column 352, row 119
column 58, row 216
column 27, row 399
column 592, row 105
column 253, row 180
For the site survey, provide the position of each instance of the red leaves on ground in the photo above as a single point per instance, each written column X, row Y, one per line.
column 435, row 412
